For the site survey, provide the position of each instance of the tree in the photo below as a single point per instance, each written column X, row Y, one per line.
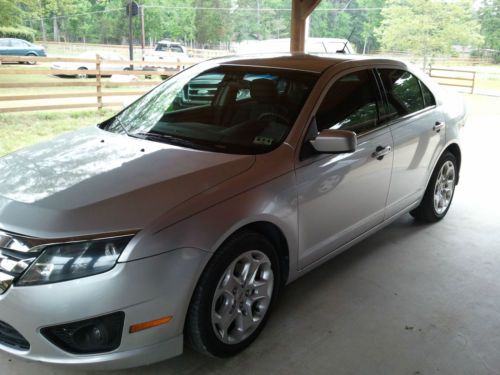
column 261, row 19
column 489, row 16
column 427, row 27
column 369, row 20
column 213, row 21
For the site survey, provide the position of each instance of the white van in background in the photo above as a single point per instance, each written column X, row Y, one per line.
column 313, row 45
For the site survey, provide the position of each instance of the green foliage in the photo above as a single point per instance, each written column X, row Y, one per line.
column 213, row 25
column 331, row 24
column 260, row 19
column 427, row 27
column 163, row 20
column 423, row 27
column 489, row 16
column 17, row 32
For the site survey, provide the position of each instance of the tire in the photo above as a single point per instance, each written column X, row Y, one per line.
column 216, row 318
column 31, row 62
column 440, row 190
column 83, row 74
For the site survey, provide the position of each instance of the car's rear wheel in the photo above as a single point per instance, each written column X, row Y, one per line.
column 234, row 296
column 440, row 190
column 83, row 73
column 31, row 62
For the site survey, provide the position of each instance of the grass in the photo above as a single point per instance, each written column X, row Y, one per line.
column 18, row 130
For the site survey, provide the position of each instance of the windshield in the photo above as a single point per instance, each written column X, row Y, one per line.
column 233, row 109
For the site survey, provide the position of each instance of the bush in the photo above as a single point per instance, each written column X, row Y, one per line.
column 17, row 32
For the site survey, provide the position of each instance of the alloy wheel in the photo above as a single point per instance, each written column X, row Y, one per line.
column 242, row 297
column 445, row 185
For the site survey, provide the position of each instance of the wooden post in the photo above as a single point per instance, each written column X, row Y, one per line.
column 98, row 81
column 301, row 9
column 473, row 82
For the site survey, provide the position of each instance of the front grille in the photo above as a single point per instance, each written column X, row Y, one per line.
column 201, row 91
column 13, row 263
column 11, row 338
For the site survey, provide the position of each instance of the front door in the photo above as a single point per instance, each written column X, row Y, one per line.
column 342, row 196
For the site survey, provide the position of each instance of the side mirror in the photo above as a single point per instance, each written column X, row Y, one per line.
column 335, row 141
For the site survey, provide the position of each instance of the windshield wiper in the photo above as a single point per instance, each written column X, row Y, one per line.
column 117, row 119
column 171, row 139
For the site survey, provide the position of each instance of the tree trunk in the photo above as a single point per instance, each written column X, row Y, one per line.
column 44, row 32
column 56, row 29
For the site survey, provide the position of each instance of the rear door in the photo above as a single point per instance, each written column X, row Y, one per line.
column 418, row 130
column 18, row 47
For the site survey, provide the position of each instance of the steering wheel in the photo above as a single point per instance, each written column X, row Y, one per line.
column 275, row 115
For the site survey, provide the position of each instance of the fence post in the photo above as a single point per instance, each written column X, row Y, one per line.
column 98, row 81
column 473, row 82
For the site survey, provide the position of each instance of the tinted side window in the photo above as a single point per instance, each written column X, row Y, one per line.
column 350, row 104
column 403, row 92
column 429, row 100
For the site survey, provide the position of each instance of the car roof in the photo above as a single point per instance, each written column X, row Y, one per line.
column 303, row 61
column 166, row 41
column 14, row 39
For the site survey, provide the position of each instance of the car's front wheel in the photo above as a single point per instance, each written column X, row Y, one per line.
column 440, row 190
column 234, row 295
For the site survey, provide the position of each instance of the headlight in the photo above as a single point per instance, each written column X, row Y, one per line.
column 74, row 260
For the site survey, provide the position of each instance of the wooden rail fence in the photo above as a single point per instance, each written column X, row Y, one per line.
column 454, row 77
column 162, row 69
column 444, row 76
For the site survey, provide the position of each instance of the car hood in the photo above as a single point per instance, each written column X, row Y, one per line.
column 92, row 181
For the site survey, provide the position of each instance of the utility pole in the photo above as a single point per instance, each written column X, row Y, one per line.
column 130, row 41
column 143, row 38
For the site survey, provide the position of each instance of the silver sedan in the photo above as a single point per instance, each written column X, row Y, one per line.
column 182, row 217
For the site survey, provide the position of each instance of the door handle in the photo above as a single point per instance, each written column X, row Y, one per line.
column 381, row 151
column 438, row 126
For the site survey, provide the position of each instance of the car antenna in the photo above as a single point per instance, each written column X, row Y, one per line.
column 347, row 41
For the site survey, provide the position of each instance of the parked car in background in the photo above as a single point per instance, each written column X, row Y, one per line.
column 59, row 67
column 182, row 217
column 20, row 47
column 166, row 51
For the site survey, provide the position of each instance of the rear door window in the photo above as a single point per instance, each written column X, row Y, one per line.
column 429, row 100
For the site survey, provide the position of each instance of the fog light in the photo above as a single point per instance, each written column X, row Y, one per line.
column 96, row 335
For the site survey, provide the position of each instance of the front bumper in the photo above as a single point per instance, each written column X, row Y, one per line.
column 145, row 290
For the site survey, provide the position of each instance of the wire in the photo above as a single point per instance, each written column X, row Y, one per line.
column 233, row 9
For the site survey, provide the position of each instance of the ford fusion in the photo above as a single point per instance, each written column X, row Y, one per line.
column 181, row 218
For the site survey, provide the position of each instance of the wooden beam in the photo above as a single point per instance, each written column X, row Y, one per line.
column 301, row 9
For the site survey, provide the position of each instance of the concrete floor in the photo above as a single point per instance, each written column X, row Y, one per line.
column 412, row 299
